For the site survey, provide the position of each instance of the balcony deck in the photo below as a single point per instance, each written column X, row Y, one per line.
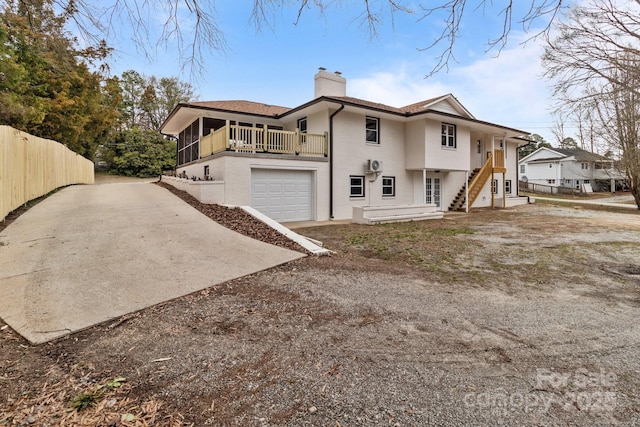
column 244, row 139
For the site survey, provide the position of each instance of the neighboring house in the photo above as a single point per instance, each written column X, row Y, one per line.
column 335, row 154
column 569, row 168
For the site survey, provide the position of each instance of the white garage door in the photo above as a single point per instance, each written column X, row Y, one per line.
column 284, row 195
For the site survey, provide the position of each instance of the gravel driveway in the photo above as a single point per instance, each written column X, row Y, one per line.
column 528, row 317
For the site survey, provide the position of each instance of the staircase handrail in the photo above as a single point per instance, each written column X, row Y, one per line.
column 480, row 179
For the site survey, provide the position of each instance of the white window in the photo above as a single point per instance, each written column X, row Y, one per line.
column 586, row 181
column 522, row 169
column 495, row 186
column 356, row 186
column 372, row 127
column 448, row 135
column 507, row 186
column 302, row 125
column 388, row 186
column 551, row 181
column 584, row 165
column 206, row 170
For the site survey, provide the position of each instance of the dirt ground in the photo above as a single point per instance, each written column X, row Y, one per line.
column 526, row 316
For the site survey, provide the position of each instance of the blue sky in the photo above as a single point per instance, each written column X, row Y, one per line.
column 276, row 64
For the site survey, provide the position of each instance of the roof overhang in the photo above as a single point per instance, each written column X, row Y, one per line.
column 184, row 114
column 319, row 104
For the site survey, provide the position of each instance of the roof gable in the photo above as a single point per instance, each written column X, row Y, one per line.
column 566, row 154
column 446, row 104
column 543, row 153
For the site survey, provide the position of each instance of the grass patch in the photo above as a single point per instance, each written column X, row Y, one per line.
column 428, row 244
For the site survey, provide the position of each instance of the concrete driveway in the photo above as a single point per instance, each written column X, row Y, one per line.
column 88, row 254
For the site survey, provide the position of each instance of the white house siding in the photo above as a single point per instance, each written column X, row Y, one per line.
column 440, row 158
column 484, row 198
column 418, row 187
column 511, row 162
column 352, row 153
column 543, row 172
column 445, row 107
column 573, row 170
column 476, row 159
column 415, row 154
column 544, row 154
column 235, row 170
column 317, row 123
column 450, row 183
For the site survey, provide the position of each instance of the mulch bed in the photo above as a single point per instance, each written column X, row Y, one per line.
column 237, row 220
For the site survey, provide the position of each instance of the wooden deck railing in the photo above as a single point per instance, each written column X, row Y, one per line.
column 498, row 156
column 245, row 139
column 31, row 167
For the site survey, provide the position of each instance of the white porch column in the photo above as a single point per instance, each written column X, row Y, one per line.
column 200, row 135
column 504, row 190
column 493, row 150
column 424, row 186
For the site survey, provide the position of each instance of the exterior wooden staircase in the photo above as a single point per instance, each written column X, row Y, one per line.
column 458, row 202
column 477, row 180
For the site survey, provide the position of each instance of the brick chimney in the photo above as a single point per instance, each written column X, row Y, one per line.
column 329, row 84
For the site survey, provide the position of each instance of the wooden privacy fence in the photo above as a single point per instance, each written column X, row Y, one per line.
column 31, row 167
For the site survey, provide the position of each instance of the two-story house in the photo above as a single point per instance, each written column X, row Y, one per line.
column 570, row 168
column 334, row 154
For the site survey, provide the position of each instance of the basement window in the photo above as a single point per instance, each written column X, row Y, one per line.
column 388, row 186
column 356, row 186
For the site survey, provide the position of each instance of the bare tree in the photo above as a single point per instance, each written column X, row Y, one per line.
column 618, row 113
column 586, row 131
column 558, row 128
column 594, row 66
column 194, row 24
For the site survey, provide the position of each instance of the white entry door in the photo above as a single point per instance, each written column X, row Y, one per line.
column 283, row 195
column 433, row 190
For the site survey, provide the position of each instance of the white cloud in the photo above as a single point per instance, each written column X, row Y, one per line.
column 395, row 87
column 507, row 89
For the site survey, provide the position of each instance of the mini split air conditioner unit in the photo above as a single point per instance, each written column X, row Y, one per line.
column 374, row 166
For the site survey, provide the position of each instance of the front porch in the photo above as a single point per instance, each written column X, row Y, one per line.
column 247, row 139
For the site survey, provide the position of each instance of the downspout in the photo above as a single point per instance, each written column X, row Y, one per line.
column 504, row 174
column 331, row 116
column 518, row 170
